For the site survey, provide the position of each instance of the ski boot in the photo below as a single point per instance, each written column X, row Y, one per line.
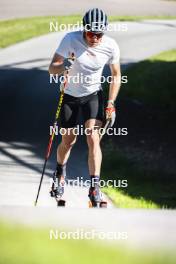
column 57, row 190
column 96, row 198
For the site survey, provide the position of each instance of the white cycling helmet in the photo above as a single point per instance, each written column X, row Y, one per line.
column 95, row 20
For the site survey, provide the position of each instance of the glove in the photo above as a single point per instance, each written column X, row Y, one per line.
column 68, row 63
column 110, row 115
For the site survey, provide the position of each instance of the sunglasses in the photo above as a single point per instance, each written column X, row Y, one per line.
column 92, row 34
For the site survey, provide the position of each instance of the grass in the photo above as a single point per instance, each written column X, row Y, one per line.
column 21, row 245
column 16, row 30
column 146, row 188
column 138, row 18
column 151, row 83
column 123, row 200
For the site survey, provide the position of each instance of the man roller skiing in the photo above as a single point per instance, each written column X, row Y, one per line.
column 92, row 50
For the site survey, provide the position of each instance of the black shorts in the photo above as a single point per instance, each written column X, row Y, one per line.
column 92, row 107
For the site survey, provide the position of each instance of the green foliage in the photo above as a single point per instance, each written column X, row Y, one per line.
column 153, row 81
column 16, row 30
column 123, row 200
column 21, row 245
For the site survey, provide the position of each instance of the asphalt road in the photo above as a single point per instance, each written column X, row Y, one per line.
column 27, row 106
column 18, row 8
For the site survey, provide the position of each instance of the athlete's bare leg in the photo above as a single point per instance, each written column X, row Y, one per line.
column 93, row 141
column 64, row 148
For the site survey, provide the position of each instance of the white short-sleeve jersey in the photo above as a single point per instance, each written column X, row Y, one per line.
column 85, row 75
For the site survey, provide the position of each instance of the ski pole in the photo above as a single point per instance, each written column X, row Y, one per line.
column 105, row 128
column 48, row 152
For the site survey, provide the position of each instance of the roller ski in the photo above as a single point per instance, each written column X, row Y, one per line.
column 57, row 190
column 96, row 198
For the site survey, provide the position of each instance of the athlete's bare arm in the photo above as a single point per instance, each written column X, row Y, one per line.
column 56, row 65
column 116, row 80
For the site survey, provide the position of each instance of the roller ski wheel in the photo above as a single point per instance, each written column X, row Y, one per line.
column 57, row 191
column 60, row 202
column 102, row 204
column 96, row 199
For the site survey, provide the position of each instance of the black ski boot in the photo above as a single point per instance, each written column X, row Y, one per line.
column 96, row 198
column 57, row 189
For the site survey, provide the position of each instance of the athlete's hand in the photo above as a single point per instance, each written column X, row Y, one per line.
column 68, row 63
column 110, row 114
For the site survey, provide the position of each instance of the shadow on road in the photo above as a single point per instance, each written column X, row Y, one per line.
column 28, row 104
column 145, row 157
